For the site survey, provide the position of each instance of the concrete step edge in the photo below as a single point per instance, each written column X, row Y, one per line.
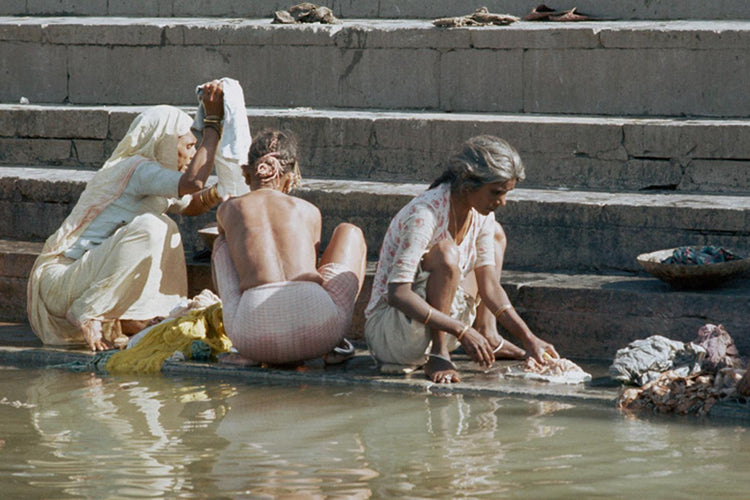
column 407, row 190
column 633, row 9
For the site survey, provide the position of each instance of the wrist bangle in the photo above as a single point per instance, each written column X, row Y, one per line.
column 214, row 125
column 500, row 346
column 213, row 194
column 502, row 309
column 462, row 332
column 429, row 315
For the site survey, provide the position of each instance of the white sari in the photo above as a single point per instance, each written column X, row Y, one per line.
column 139, row 271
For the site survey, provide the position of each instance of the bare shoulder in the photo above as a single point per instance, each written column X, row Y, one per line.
column 306, row 205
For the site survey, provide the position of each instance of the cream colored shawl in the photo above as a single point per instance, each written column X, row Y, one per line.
column 152, row 136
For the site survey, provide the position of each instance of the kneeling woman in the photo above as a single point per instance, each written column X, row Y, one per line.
column 439, row 270
column 117, row 261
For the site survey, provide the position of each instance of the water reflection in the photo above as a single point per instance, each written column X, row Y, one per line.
column 71, row 435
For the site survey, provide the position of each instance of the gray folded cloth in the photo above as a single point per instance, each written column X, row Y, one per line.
column 644, row 360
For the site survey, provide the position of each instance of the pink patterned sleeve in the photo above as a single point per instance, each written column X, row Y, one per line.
column 416, row 230
column 486, row 242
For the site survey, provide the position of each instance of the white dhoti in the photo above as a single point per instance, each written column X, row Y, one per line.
column 137, row 273
column 286, row 321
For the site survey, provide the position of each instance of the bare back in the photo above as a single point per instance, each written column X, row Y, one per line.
column 272, row 237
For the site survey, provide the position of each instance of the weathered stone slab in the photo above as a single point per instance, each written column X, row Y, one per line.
column 558, row 151
column 636, row 82
column 644, row 68
column 33, row 70
column 547, row 229
column 591, row 316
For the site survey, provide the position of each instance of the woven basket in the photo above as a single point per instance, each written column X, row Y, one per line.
column 692, row 275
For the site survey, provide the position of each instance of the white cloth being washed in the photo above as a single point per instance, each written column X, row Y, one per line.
column 235, row 138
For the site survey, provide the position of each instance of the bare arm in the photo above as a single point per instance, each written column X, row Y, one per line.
column 494, row 297
column 402, row 297
column 194, row 178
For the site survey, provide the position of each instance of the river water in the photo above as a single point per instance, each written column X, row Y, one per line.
column 75, row 435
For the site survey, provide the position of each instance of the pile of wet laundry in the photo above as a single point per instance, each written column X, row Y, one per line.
column 686, row 378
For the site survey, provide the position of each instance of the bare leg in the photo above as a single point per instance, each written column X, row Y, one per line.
column 132, row 326
column 442, row 264
column 486, row 323
column 348, row 248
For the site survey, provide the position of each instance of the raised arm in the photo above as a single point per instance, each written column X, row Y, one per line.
column 194, row 178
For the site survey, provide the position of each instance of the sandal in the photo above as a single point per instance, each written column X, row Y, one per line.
column 342, row 352
column 540, row 13
column 572, row 15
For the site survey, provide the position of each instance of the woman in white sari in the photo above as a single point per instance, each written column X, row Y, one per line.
column 117, row 261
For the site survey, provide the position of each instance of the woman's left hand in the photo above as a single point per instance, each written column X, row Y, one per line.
column 213, row 99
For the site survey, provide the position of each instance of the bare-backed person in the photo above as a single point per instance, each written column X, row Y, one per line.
column 280, row 304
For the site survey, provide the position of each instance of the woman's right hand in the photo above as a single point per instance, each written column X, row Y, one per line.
column 213, row 99
column 478, row 348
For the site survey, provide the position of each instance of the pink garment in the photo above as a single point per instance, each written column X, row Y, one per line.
column 286, row 321
column 418, row 227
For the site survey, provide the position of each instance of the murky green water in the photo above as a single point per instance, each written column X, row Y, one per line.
column 71, row 435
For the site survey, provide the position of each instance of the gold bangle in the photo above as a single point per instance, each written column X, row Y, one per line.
column 429, row 315
column 214, row 192
column 209, row 197
column 502, row 309
column 462, row 332
column 213, row 125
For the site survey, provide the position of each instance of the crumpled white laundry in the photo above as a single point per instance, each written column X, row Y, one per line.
column 235, row 138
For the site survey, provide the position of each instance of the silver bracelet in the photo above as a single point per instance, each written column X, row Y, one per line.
column 502, row 343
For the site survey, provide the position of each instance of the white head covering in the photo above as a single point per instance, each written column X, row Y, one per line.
column 152, row 136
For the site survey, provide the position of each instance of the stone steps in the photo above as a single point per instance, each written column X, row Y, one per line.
column 634, row 133
column 548, row 230
column 618, row 68
column 574, row 311
column 395, row 9
column 576, row 152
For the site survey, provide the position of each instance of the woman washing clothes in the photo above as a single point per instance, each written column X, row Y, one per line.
column 117, row 263
column 437, row 285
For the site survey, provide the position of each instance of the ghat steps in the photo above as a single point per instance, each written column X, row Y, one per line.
column 634, row 133
column 587, row 314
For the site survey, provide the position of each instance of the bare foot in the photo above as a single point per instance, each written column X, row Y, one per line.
column 508, row 351
column 92, row 334
column 441, row 370
column 132, row 326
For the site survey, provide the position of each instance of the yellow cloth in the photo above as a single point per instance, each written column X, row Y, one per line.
column 178, row 334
